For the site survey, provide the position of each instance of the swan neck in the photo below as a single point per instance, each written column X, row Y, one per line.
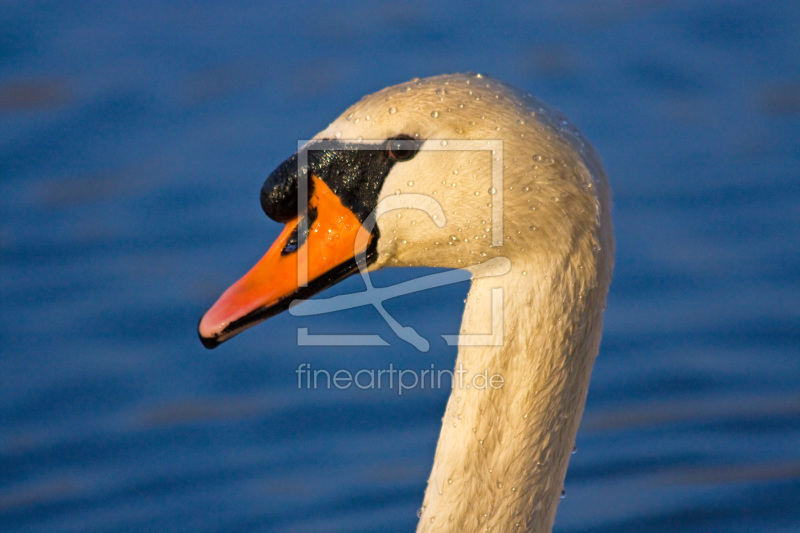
column 503, row 451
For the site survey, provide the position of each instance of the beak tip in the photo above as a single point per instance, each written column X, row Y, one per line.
column 209, row 341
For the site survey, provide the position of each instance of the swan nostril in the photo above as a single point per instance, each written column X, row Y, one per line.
column 297, row 239
column 292, row 244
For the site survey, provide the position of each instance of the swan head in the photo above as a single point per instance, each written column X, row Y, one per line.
column 448, row 171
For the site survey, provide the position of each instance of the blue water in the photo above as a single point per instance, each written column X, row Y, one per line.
column 134, row 140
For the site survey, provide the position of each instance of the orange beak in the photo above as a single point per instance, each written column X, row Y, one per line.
column 295, row 266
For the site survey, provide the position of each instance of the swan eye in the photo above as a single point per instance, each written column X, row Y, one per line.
column 402, row 148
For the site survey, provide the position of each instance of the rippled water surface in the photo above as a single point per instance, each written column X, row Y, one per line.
column 133, row 144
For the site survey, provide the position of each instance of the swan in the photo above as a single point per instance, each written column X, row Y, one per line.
column 466, row 172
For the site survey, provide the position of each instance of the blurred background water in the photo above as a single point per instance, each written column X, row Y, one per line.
column 134, row 139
